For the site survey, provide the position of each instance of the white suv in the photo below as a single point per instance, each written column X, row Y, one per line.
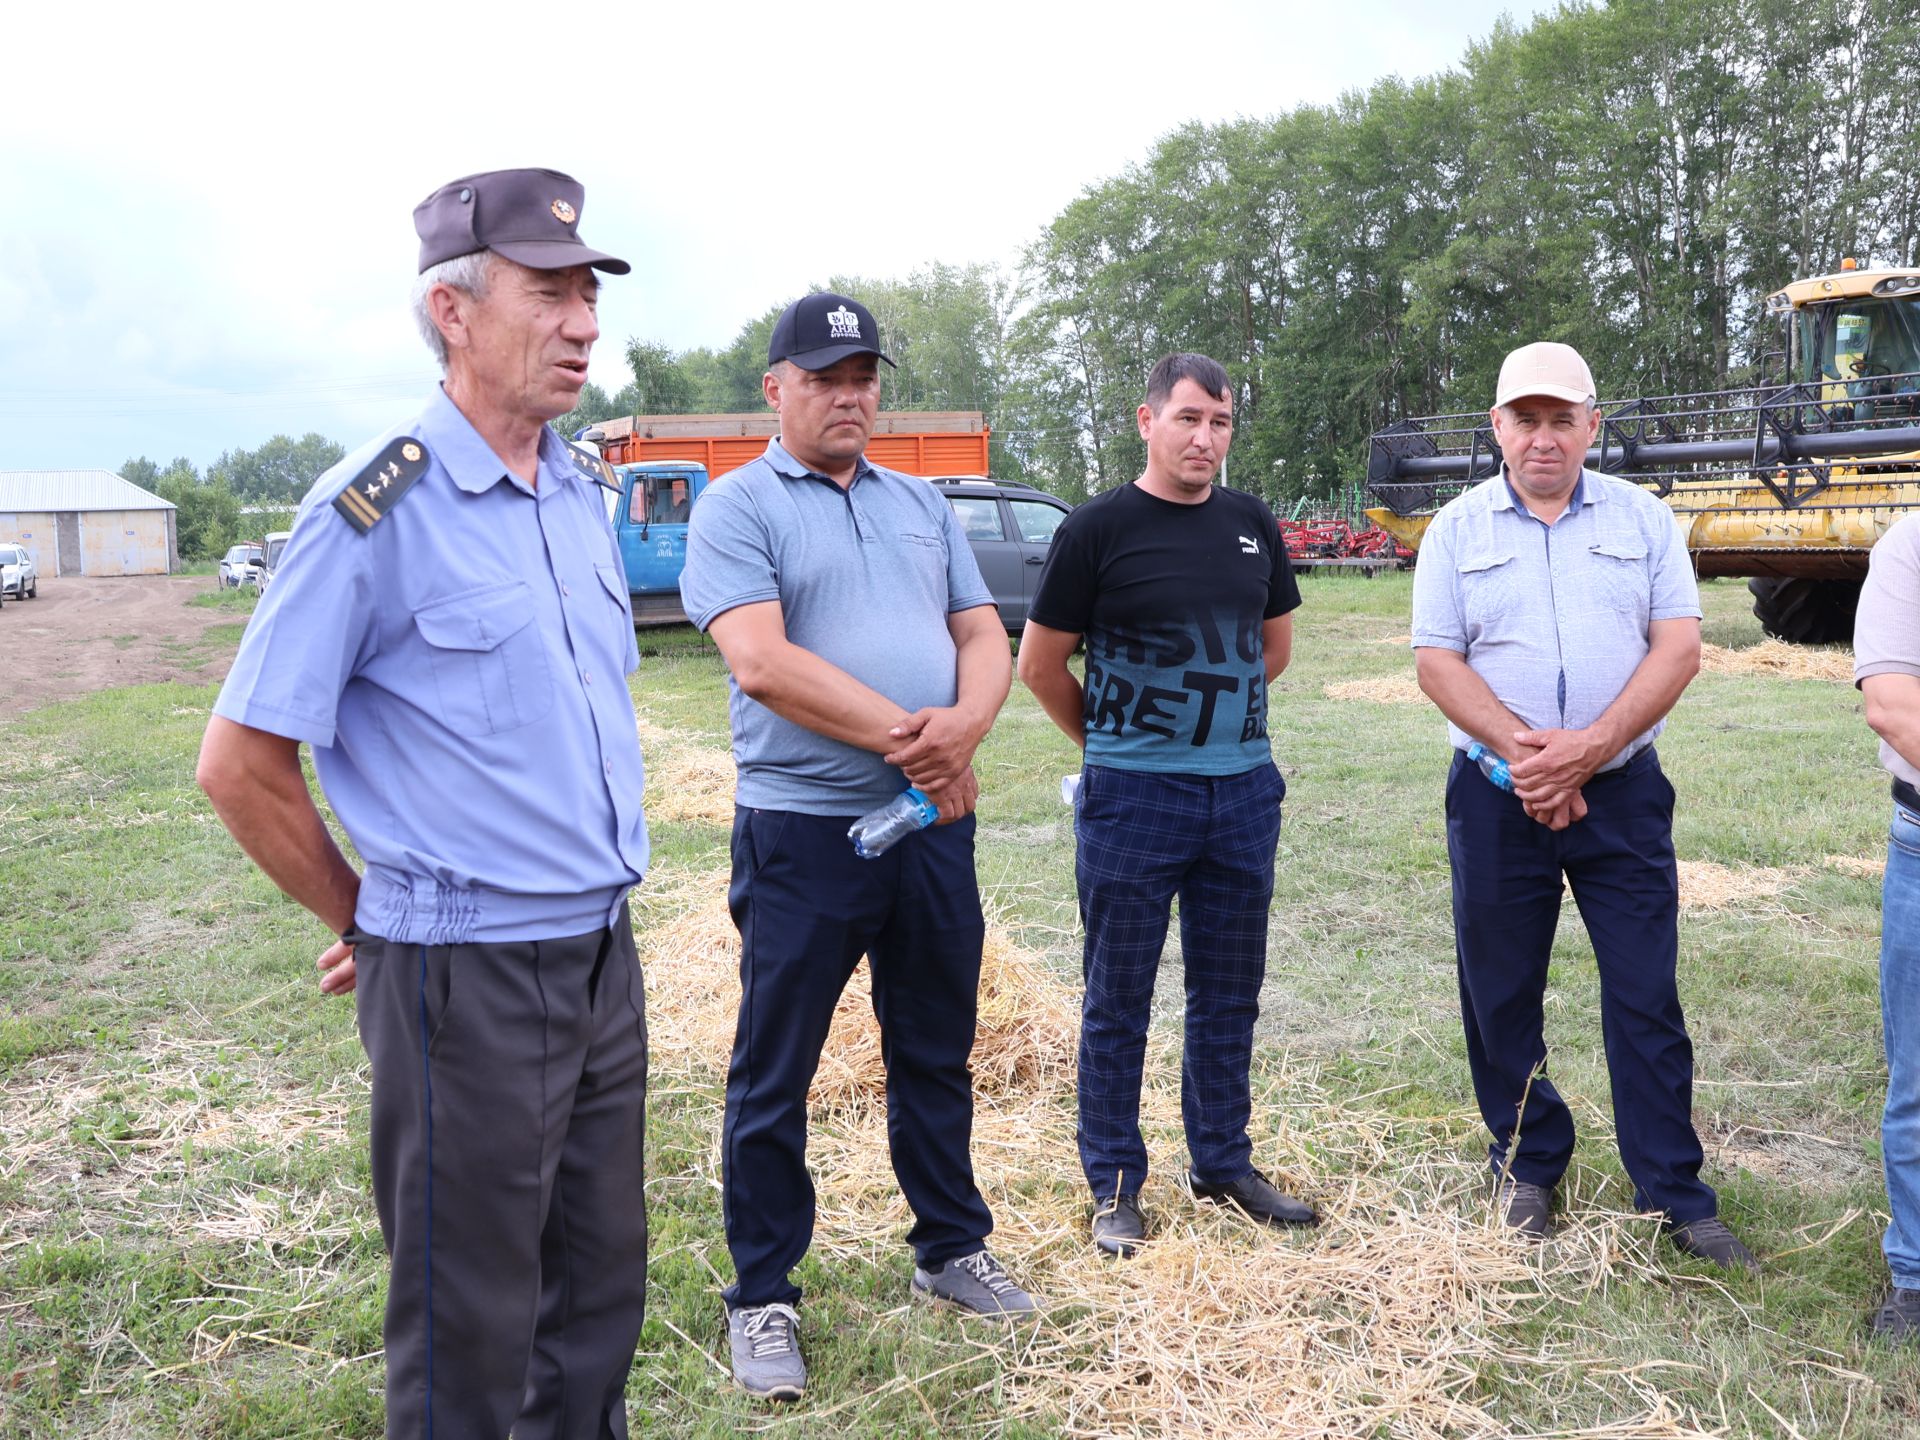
column 19, row 576
column 240, row 566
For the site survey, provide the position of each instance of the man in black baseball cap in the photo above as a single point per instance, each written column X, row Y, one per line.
column 866, row 656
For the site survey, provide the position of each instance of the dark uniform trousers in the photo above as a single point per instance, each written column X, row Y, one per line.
column 509, row 1089
column 807, row 908
column 1619, row 863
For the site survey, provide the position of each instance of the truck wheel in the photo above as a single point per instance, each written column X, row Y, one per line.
column 1805, row 612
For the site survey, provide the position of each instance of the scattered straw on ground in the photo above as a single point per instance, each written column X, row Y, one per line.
column 1394, row 640
column 1706, row 885
column 1781, row 660
column 1382, row 1321
column 1868, row 867
column 687, row 784
column 1385, row 690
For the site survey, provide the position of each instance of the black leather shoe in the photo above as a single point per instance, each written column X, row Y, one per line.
column 1256, row 1197
column 1711, row 1240
column 1523, row 1206
column 1899, row 1318
column 1118, row 1225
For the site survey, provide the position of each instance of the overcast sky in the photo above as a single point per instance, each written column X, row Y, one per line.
column 206, row 211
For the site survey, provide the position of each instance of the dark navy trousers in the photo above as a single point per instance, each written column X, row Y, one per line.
column 808, row 908
column 1143, row 839
column 509, row 1125
column 1619, row 863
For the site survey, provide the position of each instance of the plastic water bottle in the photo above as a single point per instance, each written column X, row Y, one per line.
column 1491, row 765
column 880, row 831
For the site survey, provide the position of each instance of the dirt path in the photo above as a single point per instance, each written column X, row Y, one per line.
column 82, row 635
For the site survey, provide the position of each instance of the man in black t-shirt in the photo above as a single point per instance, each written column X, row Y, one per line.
column 1185, row 597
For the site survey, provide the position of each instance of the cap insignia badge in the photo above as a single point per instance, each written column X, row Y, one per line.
column 843, row 324
column 562, row 211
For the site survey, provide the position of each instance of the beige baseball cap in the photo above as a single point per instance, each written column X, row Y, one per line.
column 1545, row 367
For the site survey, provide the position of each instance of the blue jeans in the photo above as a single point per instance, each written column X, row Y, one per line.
column 1144, row 839
column 1900, row 1017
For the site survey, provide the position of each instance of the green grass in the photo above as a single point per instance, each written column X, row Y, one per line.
column 187, row 1246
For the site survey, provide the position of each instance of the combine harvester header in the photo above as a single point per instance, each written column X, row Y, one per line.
column 1789, row 484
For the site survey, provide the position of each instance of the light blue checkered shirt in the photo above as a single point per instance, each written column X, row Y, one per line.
column 1553, row 617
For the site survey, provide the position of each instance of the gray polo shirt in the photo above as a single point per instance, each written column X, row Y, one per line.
column 1553, row 617
column 866, row 578
column 1886, row 627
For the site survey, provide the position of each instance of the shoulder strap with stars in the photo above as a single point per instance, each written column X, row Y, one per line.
column 592, row 466
column 378, row 488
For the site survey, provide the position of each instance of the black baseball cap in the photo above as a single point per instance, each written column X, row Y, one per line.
column 529, row 216
column 817, row 330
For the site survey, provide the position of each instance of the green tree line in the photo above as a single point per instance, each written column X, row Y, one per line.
column 208, row 509
column 1632, row 179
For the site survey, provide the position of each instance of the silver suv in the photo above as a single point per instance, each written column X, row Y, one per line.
column 19, row 575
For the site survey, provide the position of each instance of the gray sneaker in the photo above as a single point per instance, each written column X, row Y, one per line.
column 765, row 1340
column 975, row 1282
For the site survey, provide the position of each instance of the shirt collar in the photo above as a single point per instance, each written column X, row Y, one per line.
column 470, row 462
column 785, row 465
column 1583, row 493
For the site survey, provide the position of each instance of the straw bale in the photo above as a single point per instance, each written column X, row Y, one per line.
column 1705, row 885
column 1383, row 690
column 1867, row 867
column 1781, row 660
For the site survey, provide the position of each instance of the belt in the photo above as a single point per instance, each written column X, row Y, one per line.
column 1905, row 795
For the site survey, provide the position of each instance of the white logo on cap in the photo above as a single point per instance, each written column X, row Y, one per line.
column 843, row 324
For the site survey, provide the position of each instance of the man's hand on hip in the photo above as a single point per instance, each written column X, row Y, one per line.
column 337, row 973
column 939, row 746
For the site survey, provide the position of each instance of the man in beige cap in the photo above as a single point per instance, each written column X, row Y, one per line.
column 1555, row 623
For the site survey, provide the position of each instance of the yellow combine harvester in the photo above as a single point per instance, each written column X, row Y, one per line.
column 1789, row 484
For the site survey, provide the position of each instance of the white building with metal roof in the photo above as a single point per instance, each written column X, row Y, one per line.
column 88, row 522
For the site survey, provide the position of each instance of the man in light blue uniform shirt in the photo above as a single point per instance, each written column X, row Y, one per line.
column 1556, row 621
column 449, row 631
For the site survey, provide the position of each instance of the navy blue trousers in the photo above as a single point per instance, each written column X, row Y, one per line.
column 807, row 908
column 1142, row 840
column 1619, row 863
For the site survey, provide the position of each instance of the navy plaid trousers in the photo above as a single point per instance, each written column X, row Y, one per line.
column 1143, row 839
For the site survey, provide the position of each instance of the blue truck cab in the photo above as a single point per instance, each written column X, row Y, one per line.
column 649, row 517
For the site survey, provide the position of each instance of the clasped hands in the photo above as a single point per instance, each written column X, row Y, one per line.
column 937, row 758
column 1549, row 767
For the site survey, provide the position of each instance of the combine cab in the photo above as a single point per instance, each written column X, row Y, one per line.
column 1788, row 484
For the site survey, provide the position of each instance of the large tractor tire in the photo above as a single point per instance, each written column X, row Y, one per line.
column 1806, row 612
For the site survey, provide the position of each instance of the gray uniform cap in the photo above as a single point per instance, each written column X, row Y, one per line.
column 529, row 216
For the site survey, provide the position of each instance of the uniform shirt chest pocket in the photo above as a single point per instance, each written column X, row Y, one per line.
column 1617, row 572
column 619, row 625
column 489, row 659
column 1489, row 588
